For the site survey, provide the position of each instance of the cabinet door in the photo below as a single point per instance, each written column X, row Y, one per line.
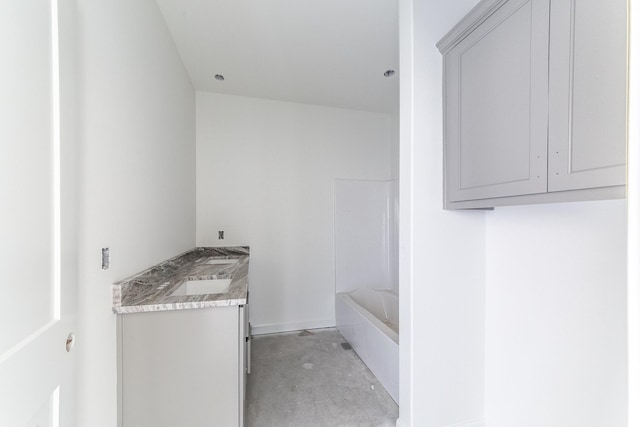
column 496, row 82
column 587, row 94
column 180, row 368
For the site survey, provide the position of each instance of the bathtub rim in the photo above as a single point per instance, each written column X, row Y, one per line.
column 379, row 324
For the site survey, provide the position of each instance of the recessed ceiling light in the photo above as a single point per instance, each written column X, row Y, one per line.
column 219, row 77
column 389, row 73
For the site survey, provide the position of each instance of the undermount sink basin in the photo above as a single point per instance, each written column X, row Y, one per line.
column 222, row 261
column 202, row 287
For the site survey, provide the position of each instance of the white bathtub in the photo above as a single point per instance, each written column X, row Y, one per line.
column 368, row 319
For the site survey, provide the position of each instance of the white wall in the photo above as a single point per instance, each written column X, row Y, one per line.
column 137, row 179
column 266, row 172
column 556, row 315
column 394, row 233
column 633, row 218
column 441, row 252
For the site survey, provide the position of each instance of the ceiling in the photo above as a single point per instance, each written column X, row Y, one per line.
column 323, row 52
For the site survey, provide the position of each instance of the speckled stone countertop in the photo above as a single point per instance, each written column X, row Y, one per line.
column 151, row 289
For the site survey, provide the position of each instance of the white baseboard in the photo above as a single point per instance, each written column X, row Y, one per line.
column 470, row 423
column 289, row 327
column 479, row 422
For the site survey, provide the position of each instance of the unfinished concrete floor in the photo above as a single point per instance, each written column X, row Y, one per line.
column 307, row 379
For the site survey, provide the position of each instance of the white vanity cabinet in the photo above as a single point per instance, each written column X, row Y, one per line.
column 535, row 103
column 183, row 367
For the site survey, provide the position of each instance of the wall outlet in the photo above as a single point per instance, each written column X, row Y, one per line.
column 220, row 235
column 106, row 257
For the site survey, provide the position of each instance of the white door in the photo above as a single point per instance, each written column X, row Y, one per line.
column 37, row 237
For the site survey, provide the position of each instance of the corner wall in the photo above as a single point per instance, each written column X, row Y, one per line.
column 137, row 179
column 554, row 320
column 441, row 252
column 266, row 172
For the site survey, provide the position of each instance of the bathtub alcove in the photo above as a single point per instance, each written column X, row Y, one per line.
column 366, row 275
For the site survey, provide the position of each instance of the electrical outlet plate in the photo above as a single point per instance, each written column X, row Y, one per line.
column 105, row 258
column 220, row 235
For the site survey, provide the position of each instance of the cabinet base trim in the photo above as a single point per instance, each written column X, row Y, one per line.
column 605, row 193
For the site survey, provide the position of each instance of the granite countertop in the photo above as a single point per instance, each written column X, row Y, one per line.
column 151, row 289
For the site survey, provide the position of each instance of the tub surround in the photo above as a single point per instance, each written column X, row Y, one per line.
column 152, row 289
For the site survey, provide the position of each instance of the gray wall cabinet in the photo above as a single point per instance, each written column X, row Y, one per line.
column 183, row 367
column 535, row 103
